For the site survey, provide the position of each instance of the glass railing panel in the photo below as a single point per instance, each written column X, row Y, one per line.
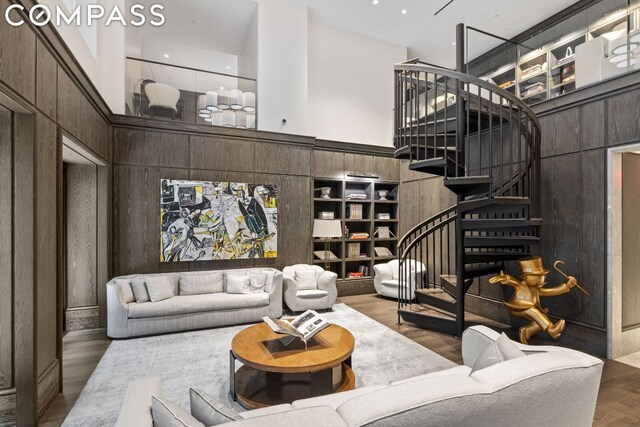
column 169, row 92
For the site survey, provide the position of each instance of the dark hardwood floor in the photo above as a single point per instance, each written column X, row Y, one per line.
column 618, row 401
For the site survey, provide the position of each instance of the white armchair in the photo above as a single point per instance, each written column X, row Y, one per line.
column 386, row 277
column 161, row 95
column 309, row 287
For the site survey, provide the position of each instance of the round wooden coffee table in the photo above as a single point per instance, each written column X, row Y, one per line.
column 273, row 373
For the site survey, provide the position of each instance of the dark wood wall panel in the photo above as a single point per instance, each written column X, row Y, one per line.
column 46, row 167
column 294, row 219
column 561, row 132
column 630, row 240
column 81, row 234
column 622, row 113
column 46, row 78
column 145, row 148
column 592, row 126
column 136, row 207
column 222, row 154
column 282, row 159
column 78, row 117
column 17, row 57
column 6, row 254
column 328, row 164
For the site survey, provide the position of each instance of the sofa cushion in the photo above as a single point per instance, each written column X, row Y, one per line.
column 159, row 288
column 463, row 370
column 140, row 289
column 238, row 283
column 501, row 350
column 319, row 416
column 196, row 304
column 167, row 414
column 306, row 279
column 312, row 294
column 126, row 291
column 268, row 285
column 334, row 400
column 200, row 284
column 210, row 411
column 392, row 283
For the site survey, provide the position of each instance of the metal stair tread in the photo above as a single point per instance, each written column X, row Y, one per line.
column 437, row 293
column 471, row 272
column 494, row 223
column 497, row 202
column 497, row 241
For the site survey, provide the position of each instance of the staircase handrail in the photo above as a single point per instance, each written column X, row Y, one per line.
column 426, row 233
column 467, row 78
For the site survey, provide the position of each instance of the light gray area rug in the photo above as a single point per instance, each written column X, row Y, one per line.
column 201, row 359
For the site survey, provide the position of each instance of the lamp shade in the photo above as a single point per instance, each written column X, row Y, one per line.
column 327, row 228
column 212, row 100
column 249, row 101
column 228, row 118
column 202, row 104
column 223, row 99
column 216, row 118
column 241, row 119
column 235, row 99
column 251, row 121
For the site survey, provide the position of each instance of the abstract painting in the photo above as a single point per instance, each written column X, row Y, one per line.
column 204, row 221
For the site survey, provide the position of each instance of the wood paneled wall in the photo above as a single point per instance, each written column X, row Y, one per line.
column 53, row 97
column 143, row 157
column 81, row 185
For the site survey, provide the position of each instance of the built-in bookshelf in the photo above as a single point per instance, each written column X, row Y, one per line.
column 369, row 222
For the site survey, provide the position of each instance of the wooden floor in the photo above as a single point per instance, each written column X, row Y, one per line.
column 618, row 400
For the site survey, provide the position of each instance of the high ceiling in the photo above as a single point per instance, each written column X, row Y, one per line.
column 222, row 25
column 430, row 37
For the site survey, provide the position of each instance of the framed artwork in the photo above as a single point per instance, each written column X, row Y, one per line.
column 204, row 221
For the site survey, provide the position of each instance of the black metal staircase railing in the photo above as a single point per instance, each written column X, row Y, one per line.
column 485, row 143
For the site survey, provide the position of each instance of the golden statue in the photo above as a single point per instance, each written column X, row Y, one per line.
column 525, row 302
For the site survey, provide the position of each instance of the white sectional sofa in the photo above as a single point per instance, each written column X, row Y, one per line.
column 128, row 318
column 545, row 386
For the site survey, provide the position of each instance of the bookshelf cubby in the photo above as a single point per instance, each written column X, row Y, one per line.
column 361, row 209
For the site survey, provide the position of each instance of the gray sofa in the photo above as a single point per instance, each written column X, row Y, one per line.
column 548, row 386
column 188, row 312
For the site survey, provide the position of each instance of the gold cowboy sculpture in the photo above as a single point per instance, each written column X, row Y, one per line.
column 525, row 302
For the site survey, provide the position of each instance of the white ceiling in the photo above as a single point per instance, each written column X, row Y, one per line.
column 222, row 25
column 430, row 37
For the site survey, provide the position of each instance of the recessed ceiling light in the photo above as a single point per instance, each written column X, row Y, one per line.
column 453, row 44
column 166, row 55
column 228, row 67
column 221, row 87
column 375, row 2
column 404, row 11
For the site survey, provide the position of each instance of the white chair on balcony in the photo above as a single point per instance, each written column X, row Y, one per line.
column 161, row 95
column 309, row 287
column 386, row 278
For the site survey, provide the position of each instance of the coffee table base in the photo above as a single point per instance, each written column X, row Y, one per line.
column 257, row 389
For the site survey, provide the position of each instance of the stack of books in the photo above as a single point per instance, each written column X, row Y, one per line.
column 359, row 236
column 355, row 211
column 356, row 196
column 355, row 274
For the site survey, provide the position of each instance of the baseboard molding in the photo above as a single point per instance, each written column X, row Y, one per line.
column 48, row 386
column 577, row 336
column 7, row 407
column 77, row 319
column 355, row 287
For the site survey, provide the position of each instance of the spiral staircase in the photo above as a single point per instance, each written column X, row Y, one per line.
column 485, row 143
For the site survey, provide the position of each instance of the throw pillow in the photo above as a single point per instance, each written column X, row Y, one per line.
column 258, row 282
column 501, row 350
column 238, row 284
column 140, row 289
column 210, row 411
column 199, row 284
column 159, row 288
column 167, row 414
column 126, row 291
column 306, row 280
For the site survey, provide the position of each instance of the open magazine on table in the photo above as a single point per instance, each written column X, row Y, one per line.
column 303, row 327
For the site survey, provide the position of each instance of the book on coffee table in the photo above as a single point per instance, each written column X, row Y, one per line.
column 303, row 327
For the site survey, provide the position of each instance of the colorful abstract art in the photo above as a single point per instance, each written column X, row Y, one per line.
column 204, row 221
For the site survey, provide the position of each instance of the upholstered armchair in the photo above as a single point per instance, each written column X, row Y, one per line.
column 386, row 277
column 309, row 287
column 164, row 96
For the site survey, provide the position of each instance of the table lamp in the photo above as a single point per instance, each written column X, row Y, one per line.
column 327, row 229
